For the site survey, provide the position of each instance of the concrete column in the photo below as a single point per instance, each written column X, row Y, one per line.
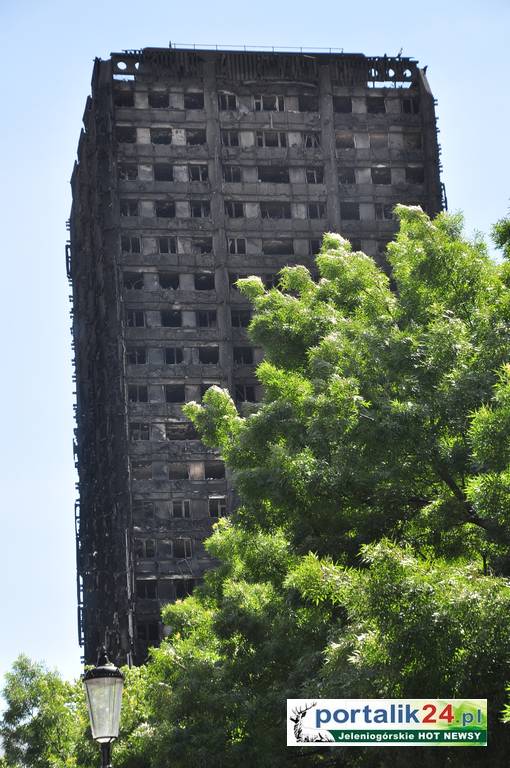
column 328, row 147
column 430, row 146
column 218, row 211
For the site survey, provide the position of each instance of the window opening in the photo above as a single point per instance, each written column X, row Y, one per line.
column 171, row 318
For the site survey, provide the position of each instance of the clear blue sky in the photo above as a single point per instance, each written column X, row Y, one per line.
column 47, row 53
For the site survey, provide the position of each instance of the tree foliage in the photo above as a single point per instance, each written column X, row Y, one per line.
column 366, row 428
column 46, row 725
column 369, row 554
column 43, row 717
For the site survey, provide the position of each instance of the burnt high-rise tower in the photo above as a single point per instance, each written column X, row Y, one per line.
column 196, row 167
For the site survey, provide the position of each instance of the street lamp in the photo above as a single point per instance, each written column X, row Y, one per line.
column 103, row 689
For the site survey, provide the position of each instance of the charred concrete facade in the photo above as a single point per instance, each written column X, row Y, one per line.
column 194, row 168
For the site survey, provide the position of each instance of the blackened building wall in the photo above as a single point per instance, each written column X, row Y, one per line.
column 194, row 168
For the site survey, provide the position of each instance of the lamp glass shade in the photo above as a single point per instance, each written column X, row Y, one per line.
column 104, row 699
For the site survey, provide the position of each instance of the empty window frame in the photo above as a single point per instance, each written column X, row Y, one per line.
column 243, row 355
column 349, row 211
column 316, row 210
column 415, row 174
column 175, row 393
column 237, row 245
column 198, row 172
column 232, row 174
column 273, row 174
column 180, row 430
column 412, row 140
column 411, row 105
column 163, row 172
column 240, row 318
column 137, row 393
column 344, row 140
column 234, row 209
column 182, row 548
column 145, row 549
column 271, row 209
column 165, row 549
column 244, row 393
column 308, row 102
column 376, row 105
column 173, row 355
column 180, row 508
column 146, row 589
column 268, row 103
column 214, row 470
column 314, row 246
column 147, row 633
column 311, row 140
column 128, row 208
column 196, row 137
column 194, row 100
column 226, row 101
column 127, row 171
column 183, row 588
column 164, row 209
column 159, row 99
column 204, row 281
column 168, row 280
column 135, row 318
column 171, row 318
column 230, row 138
column 383, row 211
column 138, row 430
column 315, row 175
column 271, row 139
column 126, row 134
column 342, row 105
column 209, row 355
column 133, row 281
column 378, row 140
column 270, row 280
column 167, row 245
column 136, row 355
column 141, row 470
column 233, row 277
column 355, row 243
column 206, row 318
column 381, row 174
column 205, row 385
column 124, row 98
column 281, row 247
column 201, row 245
column 200, row 209
column 346, row 176
column 217, row 506
column 161, row 135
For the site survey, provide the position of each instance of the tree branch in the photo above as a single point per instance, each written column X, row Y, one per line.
column 492, row 526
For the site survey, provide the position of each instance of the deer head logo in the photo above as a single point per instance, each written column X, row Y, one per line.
column 307, row 735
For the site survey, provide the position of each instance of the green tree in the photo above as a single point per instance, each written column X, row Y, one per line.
column 46, row 724
column 366, row 427
column 43, row 717
column 382, row 406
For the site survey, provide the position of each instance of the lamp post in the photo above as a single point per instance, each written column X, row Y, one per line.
column 103, row 689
